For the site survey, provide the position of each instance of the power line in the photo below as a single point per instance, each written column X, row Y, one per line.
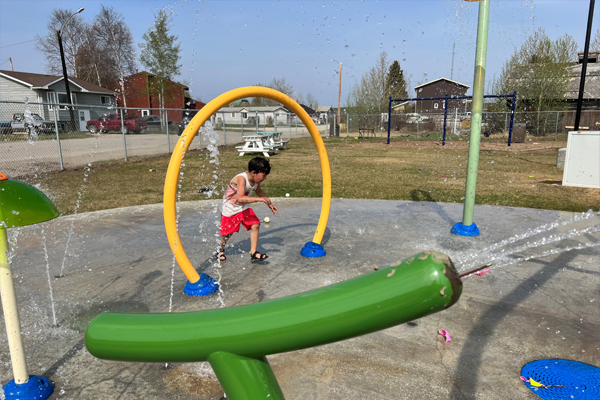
column 15, row 44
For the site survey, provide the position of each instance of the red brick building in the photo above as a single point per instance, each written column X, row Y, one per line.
column 144, row 101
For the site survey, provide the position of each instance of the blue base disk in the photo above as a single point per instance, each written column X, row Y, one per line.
column 37, row 387
column 312, row 249
column 580, row 381
column 204, row 286
column 462, row 230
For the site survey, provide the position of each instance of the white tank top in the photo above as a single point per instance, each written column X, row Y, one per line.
column 230, row 204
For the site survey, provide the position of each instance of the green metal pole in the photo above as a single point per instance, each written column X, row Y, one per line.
column 245, row 378
column 476, row 116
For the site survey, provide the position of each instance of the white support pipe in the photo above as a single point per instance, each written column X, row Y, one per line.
column 11, row 315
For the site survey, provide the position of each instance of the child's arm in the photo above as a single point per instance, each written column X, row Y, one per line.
column 241, row 195
column 268, row 202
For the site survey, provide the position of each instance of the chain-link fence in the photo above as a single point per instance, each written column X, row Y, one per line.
column 497, row 124
column 39, row 137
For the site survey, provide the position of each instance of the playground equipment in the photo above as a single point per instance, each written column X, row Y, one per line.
column 202, row 284
column 20, row 205
column 236, row 340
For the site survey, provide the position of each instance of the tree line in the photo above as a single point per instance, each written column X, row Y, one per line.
column 103, row 51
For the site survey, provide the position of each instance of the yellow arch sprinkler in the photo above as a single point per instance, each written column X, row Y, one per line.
column 202, row 284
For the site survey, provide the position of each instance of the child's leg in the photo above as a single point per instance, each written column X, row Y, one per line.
column 224, row 239
column 254, row 238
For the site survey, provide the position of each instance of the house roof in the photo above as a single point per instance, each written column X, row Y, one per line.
column 445, row 79
column 323, row 108
column 592, row 82
column 42, row 81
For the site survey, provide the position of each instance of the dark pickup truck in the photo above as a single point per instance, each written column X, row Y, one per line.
column 112, row 122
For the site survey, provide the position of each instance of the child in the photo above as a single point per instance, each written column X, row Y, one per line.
column 236, row 209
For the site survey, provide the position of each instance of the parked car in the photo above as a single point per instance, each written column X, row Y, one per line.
column 154, row 120
column 5, row 128
column 20, row 123
column 112, row 122
column 414, row 118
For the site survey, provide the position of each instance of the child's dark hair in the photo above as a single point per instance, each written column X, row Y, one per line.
column 258, row 165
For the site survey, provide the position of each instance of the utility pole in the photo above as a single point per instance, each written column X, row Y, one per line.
column 339, row 95
column 452, row 70
column 64, row 68
column 584, row 65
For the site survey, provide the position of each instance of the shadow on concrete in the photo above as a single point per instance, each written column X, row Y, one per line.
column 466, row 376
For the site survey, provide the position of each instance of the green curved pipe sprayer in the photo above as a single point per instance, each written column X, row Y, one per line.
column 236, row 340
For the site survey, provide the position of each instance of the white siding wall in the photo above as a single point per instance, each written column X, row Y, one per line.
column 11, row 90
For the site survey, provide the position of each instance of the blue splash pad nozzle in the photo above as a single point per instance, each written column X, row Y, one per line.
column 204, row 286
column 37, row 387
column 465, row 230
column 312, row 249
column 562, row 379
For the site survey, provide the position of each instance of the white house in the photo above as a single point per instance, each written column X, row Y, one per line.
column 18, row 86
column 250, row 115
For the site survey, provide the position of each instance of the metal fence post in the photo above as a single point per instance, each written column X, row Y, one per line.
column 60, row 157
column 445, row 119
column 296, row 119
column 256, row 122
column 166, row 113
column 505, row 121
column 224, row 138
column 123, row 133
column 242, row 123
column 275, row 123
column 347, row 124
column 512, row 116
column 556, row 129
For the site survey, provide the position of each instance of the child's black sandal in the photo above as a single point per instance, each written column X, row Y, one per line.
column 261, row 257
column 221, row 255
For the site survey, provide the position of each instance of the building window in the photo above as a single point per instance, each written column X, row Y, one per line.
column 145, row 113
column 105, row 100
column 435, row 105
column 51, row 98
column 62, row 98
column 444, row 105
column 244, row 115
column 233, row 115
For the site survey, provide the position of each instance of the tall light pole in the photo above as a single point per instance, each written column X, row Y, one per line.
column 339, row 95
column 64, row 67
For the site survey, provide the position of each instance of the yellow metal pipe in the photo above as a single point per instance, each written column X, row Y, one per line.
column 170, row 192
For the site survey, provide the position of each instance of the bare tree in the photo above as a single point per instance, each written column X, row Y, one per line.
column 595, row 44
column 110, row 30
column 72, row 33
column 311, row 101
column 280, row 85
column 95, row 63
column 539, row 72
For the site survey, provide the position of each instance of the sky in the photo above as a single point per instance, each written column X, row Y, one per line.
column 230, row 44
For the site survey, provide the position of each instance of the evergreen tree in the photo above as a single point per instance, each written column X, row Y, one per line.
column 160, row 56
column 395, row 82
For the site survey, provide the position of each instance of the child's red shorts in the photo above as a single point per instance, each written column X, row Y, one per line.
column 232, row 224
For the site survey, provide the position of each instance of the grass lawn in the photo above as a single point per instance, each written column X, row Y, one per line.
column 523, row 175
